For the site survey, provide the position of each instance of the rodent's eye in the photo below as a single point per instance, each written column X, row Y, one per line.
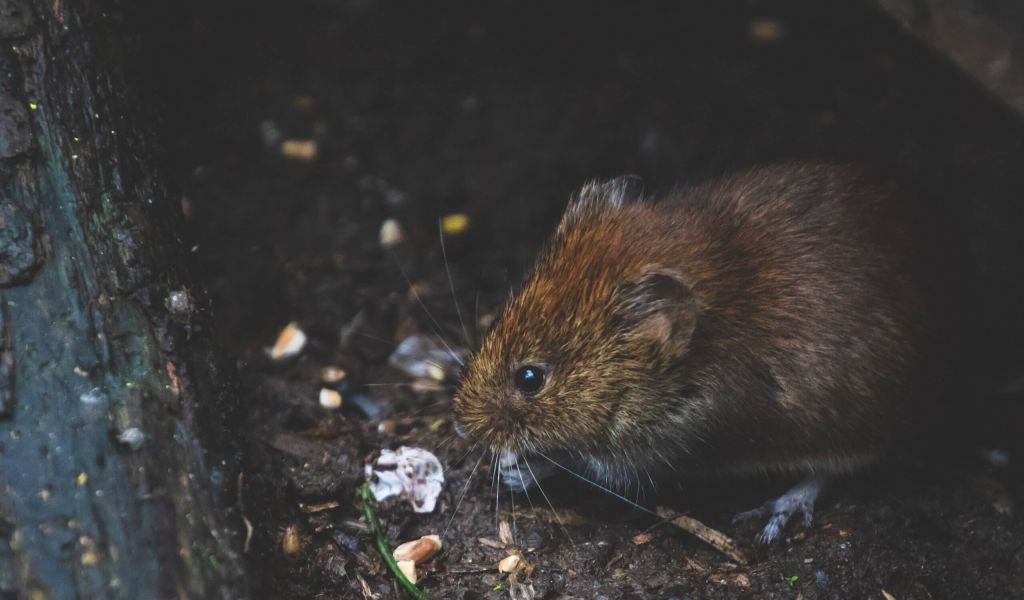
column 529, row 379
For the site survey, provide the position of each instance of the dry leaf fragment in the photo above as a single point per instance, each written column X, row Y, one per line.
column 505, row 533
column 888, row 596
column 714, row 538
column 642, row 538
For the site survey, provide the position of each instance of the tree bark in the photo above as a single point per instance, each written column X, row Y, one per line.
column 117, row 449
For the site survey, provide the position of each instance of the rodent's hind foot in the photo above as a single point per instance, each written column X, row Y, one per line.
column 799, row 499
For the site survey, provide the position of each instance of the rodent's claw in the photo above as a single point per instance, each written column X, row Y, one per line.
column 799, row 499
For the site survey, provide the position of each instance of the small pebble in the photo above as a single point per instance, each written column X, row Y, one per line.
column 455, row 224
column 290, row 341
column 301, row 150
column 330, row 399
column 331, row 374
column 391, row 234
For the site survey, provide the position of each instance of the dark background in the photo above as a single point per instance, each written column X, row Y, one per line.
column 499, row 110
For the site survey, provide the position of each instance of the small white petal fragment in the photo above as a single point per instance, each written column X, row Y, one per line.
column 330, row 399
column 391, row 234
column 413, row 473
column 132, row 437
column 289, row 342
column 93, row 396
column 418, row 550
column 509, row 564
column 408, row 568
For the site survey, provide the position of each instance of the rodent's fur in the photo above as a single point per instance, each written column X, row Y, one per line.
column 772, row 320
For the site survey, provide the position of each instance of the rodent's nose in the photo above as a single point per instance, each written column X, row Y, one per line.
column 490, row 423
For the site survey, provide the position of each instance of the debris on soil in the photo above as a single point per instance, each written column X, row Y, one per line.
column 289, row 343
column 510, row 564
column 408, row 568
column 401, row 572
column 391, row 234
column 716, row 539
column 997, row 457
column 642, row 538
column 332, row 374
column 418, row 550
column 421, row 357
column 330, row 399
column 301, row 150
column 413, row 473
column 321, row 507
column 133, row 437
column 291, row 541
column 454, row 224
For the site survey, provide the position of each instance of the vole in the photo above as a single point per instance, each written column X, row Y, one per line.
column 775, row 320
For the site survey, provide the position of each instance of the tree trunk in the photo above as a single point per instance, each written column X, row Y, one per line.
column 117, row 449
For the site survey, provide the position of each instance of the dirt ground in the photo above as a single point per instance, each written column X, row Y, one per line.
column 498, row 112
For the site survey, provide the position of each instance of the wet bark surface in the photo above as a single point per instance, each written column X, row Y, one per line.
column 110, row 393
column 499, row 112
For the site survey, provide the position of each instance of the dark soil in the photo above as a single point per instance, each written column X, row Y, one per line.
column 499, row 112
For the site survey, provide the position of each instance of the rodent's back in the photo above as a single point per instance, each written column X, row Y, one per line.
column 767, row 320
column 811, row 285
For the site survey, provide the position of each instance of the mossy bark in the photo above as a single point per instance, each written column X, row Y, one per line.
column 117, row 457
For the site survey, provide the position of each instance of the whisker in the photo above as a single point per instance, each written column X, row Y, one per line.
column 462, row 496
column 438, row 330
column 463, row 457
column 394, row 345
column 497, row 492
column 512, row 500
column 523, row 481
column 451, row 285
column 552, row 506
column 379, row 339
column 597, row 485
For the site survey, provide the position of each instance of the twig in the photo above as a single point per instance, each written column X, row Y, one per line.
column 382, row 545
column 714, row 538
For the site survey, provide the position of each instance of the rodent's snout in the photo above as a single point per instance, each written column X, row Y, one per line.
column 490, row 423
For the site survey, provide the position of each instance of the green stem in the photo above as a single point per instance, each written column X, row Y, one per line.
column 382, row 544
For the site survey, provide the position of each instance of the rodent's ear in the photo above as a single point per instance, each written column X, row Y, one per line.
column 659, row 307
column 597, row 195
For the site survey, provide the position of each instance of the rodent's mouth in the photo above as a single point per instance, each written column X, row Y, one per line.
column 521, row 472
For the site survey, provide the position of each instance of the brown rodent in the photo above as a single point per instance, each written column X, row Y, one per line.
column 774, row 320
